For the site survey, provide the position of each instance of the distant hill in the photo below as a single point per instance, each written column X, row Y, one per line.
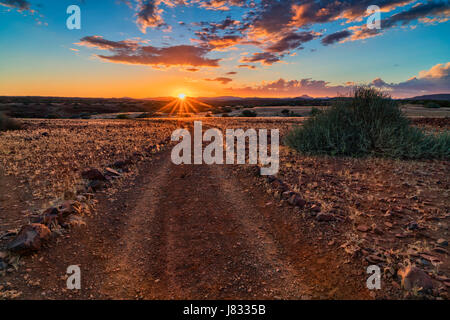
column 442, row 97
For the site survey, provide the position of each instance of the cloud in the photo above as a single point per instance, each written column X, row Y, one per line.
column 221, row 5
column 265, row 58
column 223, row 80
column 249, row 66
column 231, row 73
column 21, row 5
column 432, row 81
column 131, row 52
column 432, row 12
column 435, row 9
column 336, row 37
column 149, row 14
column 103, row 44
column 292, row 88
column 292, row 41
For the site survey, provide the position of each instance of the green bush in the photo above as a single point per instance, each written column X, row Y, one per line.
column 145, row 115
column 315, row 111
column 432, row 105
column 7, row 123
column 248, row 113
column 370, row 123
column 122, row 116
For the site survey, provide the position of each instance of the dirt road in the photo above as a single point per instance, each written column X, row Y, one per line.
column 191, row 232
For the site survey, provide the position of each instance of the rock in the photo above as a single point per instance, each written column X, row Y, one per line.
column 67, row 208
column 325, row 216
column 93, row 174
column 374, row 259
column 440, row 250
column 362, row 228
column 412, row 226
column 279, row 185
column 413, row 277
column 52, row 215
column 36, row 218
column 316, row 208
column 3, row 265
column 377, row 231
column 297, row 201
column 121, row 164
column 112, row 172
column 286, row 195
column 442, row 243
column 95, row 185
column 29, row 238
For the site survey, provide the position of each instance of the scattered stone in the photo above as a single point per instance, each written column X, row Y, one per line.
column 279, row 185
column 95, row 185
column 93, row 174
column 67, row 208
column 362, row 228
column 325, row 216
column 377, row 231
column 3, row 265
column 413, row 277
column 374, row 259
column 442, row 243
column 286, row 195
column 440, row 250
column 297, row 201
column 29, row 238
column 121, row 164
column 51, row 216
column 36, row 218
column 114, row 173
column 412, row 226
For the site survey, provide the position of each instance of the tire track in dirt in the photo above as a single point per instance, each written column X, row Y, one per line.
column 187, row 232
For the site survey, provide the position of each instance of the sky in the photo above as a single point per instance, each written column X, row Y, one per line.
column 247, row 48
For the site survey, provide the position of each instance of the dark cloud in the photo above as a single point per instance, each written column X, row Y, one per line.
column 131, row 52
column 265, row 58
column 336, row 37
column 20, row 5
column 292, row 41
column 104, row 44
column 417, row 12
column 149, row 14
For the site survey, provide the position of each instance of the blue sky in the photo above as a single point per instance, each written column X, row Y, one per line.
column 144, row 48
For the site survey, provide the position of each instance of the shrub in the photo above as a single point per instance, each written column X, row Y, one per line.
column 7, row 123
column 432, row 105
column 122, row 116
column 315, row 111
column 248, row 113
column 145, row 115
column 370, row 123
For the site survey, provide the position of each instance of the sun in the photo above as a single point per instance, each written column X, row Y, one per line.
column 181, row 96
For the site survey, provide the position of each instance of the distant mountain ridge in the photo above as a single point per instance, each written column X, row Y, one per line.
column 442, row 97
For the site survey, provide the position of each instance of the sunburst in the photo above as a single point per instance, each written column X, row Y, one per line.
column 184, row 105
